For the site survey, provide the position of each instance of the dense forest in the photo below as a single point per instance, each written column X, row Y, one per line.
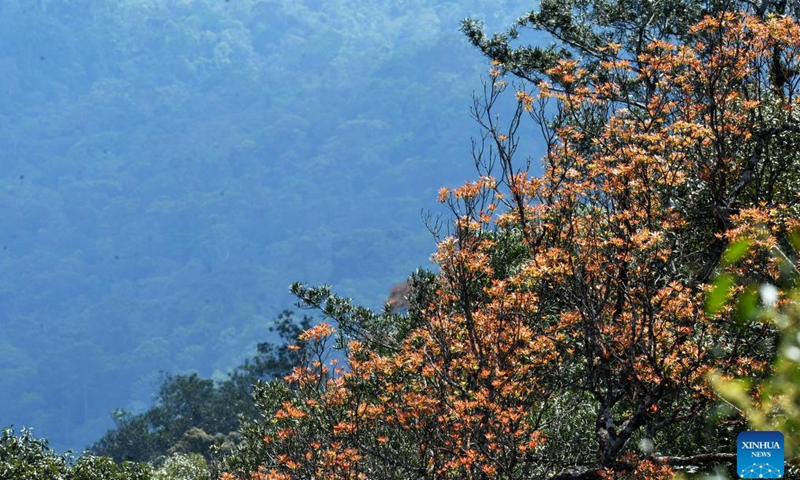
column 614, row 290
column 170, row 168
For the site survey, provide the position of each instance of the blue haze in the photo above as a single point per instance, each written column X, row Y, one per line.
column 169, row 167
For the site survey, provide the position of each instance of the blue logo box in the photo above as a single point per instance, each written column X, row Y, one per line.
column 759, row 454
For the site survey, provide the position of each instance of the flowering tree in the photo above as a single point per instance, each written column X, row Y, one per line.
column 568, row 315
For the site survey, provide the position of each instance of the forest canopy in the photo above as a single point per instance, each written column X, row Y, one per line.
column 170, row 168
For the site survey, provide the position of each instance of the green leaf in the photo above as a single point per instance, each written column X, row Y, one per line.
column 794, row 238
column 747, row 305
column 736, row 251
column 720, row 293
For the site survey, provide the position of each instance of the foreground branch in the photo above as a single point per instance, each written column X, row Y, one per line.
column 702, row 459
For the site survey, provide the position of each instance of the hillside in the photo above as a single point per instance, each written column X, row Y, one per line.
column 169, row 168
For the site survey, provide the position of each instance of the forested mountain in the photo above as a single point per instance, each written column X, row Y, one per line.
column 170, row 167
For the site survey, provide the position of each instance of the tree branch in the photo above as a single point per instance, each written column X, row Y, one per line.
column 701, row 459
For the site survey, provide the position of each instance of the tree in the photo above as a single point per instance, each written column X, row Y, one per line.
column 194, row 414
column 23, row 456
column 569, row 308
column 182, row 466
column 582, row 29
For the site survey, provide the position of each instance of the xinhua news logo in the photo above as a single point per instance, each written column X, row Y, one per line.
column 759, row 455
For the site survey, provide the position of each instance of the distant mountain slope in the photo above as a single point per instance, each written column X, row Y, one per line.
column 169, row 168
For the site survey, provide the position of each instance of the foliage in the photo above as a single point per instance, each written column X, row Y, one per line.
column 773, row 404
column 583, row 30
column 182, row 467
column 569, row 307
column 23, row 456
column 90, row 467
column 194, row 415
